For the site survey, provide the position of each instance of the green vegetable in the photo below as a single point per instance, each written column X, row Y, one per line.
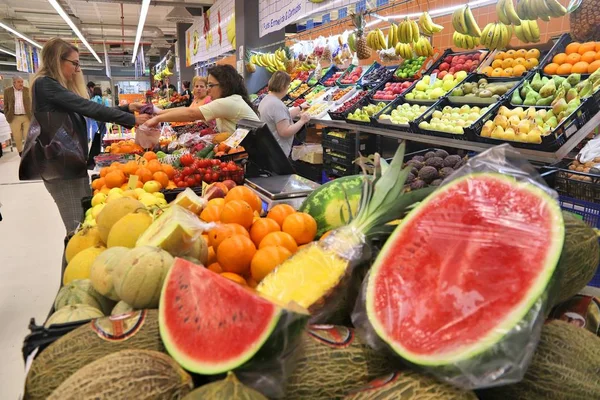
column 210, row 155
column 204, row 152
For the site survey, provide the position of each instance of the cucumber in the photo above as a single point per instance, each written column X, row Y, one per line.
column 205, row 151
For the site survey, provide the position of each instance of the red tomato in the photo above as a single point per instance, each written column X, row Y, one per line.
column 207, row 178
column 198, row 179
column 215, row 177
column 186, row 159
column 190, row 181
column 180, row 184
column 187, row 171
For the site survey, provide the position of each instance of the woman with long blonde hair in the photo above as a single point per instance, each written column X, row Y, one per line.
column 200, row 91
column 57, row 149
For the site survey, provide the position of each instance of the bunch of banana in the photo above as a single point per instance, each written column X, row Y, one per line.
column 465, row 41
column 231, row 31
column 542, row 9
column 464, row 22
column 427, row 26
column 352, row 42
column 528, row 31
column 376, row 40
column 280, row 55
column 496, row 35
column 423, row 47
column 269, row 61
column 505, row 9
column 404, row 50
column 392, row 38
column 408, row 31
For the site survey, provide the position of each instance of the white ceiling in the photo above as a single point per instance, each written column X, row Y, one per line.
column 98, row 20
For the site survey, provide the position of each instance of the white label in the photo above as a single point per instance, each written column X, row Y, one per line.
column 432, row 79
column 238, row 136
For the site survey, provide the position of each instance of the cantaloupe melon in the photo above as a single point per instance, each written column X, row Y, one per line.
column 103, row 271
column 74, row 313
column 229, row 388
column 81, row 291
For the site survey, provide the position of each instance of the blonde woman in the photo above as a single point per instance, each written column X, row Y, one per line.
column 201, row 96
column 60, row 103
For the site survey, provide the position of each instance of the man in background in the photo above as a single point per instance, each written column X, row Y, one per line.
column 17, row 108
column 90, row 86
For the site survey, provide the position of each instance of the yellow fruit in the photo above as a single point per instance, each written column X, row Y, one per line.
column 114, row 211
column 103, row 271
column 126, row 231
column 98, row 198
column 81, row 265
column 113, row 197
column 85, row 238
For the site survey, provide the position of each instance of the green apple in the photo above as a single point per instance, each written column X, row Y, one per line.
column 421, row 85
column 448, row 77
column 460, row 75
column 436, row 93
column 448, row 85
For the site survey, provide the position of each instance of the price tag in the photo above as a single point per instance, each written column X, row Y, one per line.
column 432, row 79
column 204, row 188
column 238, row 136
column 133, row 180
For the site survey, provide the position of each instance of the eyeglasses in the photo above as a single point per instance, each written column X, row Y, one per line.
column 212, row 85
column 75, row 63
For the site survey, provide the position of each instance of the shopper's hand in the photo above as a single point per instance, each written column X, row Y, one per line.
column 142, row 118
column 152, row 122
column 304, row 106
column 305, row 117
column 135, row 106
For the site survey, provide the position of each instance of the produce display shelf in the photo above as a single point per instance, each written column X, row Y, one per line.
column 533, row 155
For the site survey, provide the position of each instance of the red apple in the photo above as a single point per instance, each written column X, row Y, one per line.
column 442, row 74
column 452, row 70
column 444, row 66
column 448, row 59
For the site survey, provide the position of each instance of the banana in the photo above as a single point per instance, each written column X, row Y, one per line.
column 535, row 31
column 530, row 10
column 495, row 36
column 501, row 12
column 556, row 9
column 472, row 27
column 488, row 34
column 511, row 13
column 521, row 11
column 382, row 42
column 370, row 39
column 415, row 30
column 519, row 33
column 425, row 25
column 458, row 21
column 406, row 36
column 542, row 10
column 527, row 31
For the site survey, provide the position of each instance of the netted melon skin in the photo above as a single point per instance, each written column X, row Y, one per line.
column 229, row 388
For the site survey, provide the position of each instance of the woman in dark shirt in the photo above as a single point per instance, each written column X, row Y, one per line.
column 58, row 87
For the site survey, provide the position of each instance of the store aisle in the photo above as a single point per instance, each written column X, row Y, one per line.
column 31, row 242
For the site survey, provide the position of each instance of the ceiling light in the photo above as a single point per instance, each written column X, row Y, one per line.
column 73, row 27
column 140, row 28
column 11, row 30
column 8, row 52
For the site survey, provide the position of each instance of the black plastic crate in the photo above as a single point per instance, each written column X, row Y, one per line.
column 470, row 132
column 367, row 100
column 576, row 184
column 391, row 106
column 338, row 170
column 559, row 47
column 330, row 72
column 332, row 157
column 341, row 116
column 386, row 78
column 347, row 144
column 478, row 101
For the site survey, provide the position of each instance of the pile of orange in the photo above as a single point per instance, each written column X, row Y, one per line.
column 577, row 58
column 513, row 63
column 147, row 168
column 124, row 147
column 247, row 252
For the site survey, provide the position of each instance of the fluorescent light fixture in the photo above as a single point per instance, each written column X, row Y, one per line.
column 140, row 28
column 73, row 27
column 11, row 30
column 8, row 63
column 12, row 53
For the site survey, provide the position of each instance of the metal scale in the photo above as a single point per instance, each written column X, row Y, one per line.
column 281, row 189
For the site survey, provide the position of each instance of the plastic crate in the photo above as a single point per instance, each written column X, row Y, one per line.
column 558, row 46
column 332, row 157
column 330, row 72
column 392, row 106
column 386, row 77
column 574, row 184
column 367, row 100
column 337, row 170
column 347, row 144
column 351, row 68
column 340, row 116
column 473, row 100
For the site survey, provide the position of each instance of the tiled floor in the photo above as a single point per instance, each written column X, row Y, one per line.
column 31, row 244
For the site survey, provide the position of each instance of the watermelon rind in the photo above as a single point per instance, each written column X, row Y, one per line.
column 196, row 365
column 502, row 329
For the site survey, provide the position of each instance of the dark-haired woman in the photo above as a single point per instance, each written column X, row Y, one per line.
column 229, row 104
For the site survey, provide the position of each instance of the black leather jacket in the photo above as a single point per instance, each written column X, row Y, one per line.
column 49, row 96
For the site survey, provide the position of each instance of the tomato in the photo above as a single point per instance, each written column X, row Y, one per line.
column 198, row 179
column 215, row 162
column 186, row 159
column 207, row 178
column 215, row 177
column 223, row 165
column 180, row 184
column 205, row 163
column 190, row 181
column 187, row 171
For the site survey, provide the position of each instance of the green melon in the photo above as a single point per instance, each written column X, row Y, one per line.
column 81, row 291
column 229, row 388
column 328, row 204
column 103, row 271
column 565, row 365
column 409, row 385
column 333, row 362
column 88, row 343
column 127, row 374
column 73, row 313
column 121, row 308
column 579, row 259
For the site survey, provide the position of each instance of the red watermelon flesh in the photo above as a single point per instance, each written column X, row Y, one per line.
column 210, row 324
column 464, row 268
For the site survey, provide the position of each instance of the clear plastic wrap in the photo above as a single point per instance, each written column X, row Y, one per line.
column 462, row 287
column 147, row 137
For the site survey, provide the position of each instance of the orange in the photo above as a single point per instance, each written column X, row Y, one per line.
column 500, row 55
column 161, row 178
column 115, row 165
column 325, row 235
column 98, row 183
column 587, row 46
column 508, row 63
column 487, row 71
column 280, row 212
column 124, row 187
column 588, row 56
column 211, row 213
column 234, row 277
column 519, row 70
column 144, row 174
column 591, row 68
column 130, row 167
column 521, row 53
column 150, row 155
column 597, row 55
column 497, row 63
column 498, row 72
column 104, row 171
column 237, row 212
column 531, row 63
column 551, row 68
column 508, row 71
column 266, row 260
column 573, row 58
column 215, row 267
column 580, row 68
column 154, row 166
column 235, row 254
column 261, row 228
column 114, row 179
column 520, row 61
column 301, row 226
column 245, row 194
column 104, row 190
column 279, row 239
column 560, row 58
column 216, row 202
column 212, row 256
column 169, row 170
column 533, row 53
column 597, row 47
column 572, row 48
column 564, row 69
column 511, row 53
column 223, row 231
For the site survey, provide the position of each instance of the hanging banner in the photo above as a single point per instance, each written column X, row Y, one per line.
column 212, row 34
column 107, row 62
column 27, row 57
column 274, row 15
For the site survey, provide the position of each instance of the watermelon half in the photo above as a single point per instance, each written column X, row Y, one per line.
column 210, row 324
column 464, row 268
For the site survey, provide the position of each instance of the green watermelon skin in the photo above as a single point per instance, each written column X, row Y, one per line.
column 328, row 206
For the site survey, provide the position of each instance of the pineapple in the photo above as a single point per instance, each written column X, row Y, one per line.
column 362, row 50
